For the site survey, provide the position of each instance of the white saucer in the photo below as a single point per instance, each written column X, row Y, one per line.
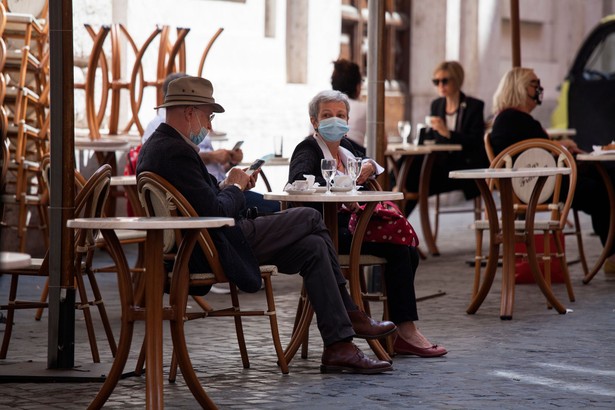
column 341, row 188
column 320, row 189
column 300, row 192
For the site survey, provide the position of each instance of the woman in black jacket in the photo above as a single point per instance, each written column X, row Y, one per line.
column 455, row 118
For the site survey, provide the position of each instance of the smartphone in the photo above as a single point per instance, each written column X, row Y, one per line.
column 256, row 165
column 237, row 145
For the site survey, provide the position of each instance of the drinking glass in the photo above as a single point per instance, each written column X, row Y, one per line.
column 353, row 166
column 404, row 128
column 328, row 168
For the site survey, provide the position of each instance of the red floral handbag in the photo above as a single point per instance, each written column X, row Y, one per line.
column 387, row 224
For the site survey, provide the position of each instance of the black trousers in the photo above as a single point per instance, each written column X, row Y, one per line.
column 402, row 262
column 297, row 241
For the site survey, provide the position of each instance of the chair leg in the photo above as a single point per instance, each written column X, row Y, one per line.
column 141, row 359
column 436, row 217
column 562, row 258
column 84, row 306
column 173, row 368
column 478, row 260
column 102, row 311
column 10, row 316
column 578, row 234
column 241, row 341
column 273, row 322
column 44, row 296
column 546, row 260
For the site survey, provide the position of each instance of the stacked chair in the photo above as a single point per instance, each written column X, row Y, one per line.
column 89, row 203
column 24, row 115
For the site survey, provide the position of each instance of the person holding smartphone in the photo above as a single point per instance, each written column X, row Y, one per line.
column 295, row 240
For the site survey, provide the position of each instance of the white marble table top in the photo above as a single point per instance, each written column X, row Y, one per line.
column 508, row 172
column 361, row 196
column 14, row 260
column 561, row 132
column 144, row 223
column 103, row 144
column 122, row 180
column 409, row 149
column 602, row 156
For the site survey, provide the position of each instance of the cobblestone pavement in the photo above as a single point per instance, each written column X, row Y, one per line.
column 537, row 360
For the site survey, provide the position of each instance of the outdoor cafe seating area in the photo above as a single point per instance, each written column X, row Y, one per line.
column 115, row 257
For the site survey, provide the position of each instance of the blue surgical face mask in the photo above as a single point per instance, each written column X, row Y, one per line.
column 333, row 129
column 198, row 138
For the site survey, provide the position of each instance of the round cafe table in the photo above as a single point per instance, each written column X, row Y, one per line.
column 505, row 176
column 408, row 153
column 153, row 312
column 598, row 159
column 330, row 203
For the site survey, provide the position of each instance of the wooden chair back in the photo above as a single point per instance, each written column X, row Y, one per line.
column 539, row 153
column 488, row 147
column 159, row 198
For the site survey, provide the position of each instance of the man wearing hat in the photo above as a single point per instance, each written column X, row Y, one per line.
column 296, row 240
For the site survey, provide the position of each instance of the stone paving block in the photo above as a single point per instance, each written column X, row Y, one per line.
column 538, row 360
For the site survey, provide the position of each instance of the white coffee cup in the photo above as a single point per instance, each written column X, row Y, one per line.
column 310, row 180
column 300, row 185
column 342, row 181
column 428, row 121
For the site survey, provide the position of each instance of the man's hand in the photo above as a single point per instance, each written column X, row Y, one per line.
column 236, row 156
column 219, row 156
column 239, row 176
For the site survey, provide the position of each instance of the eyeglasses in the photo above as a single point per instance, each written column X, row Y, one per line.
column 211, row 116
column 437, row 81
column 535, row 84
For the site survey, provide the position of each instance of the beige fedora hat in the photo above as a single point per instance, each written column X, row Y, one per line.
column 191, row 91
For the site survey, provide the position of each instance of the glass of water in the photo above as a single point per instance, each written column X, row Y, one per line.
column 404, row 128
column 353, row 165
column 328, row 168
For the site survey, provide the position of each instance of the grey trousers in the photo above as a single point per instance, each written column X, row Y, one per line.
column 297, row 241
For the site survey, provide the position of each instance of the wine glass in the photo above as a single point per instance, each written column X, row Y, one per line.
column 404, row 128
column 353, row 165
column 328, row 168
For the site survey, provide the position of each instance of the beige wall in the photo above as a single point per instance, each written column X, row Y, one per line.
column 249, row 70
column 477, row 33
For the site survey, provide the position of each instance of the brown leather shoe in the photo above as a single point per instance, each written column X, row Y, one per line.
column 402, row 347
column 367, row 328
column 347, row 357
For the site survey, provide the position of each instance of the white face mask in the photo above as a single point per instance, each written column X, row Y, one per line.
column 333, row 129
column 198, row 138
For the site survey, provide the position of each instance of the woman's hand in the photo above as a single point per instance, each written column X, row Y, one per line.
column 367, row 170
column 353, row 207
column 439, row 125
column 571, row 146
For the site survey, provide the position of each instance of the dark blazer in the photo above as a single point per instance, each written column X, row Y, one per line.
column 306, row 159
column 511, row 126
column 169, row 155
column 469, row 131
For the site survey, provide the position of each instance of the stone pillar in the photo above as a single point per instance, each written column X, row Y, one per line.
column 296, row 41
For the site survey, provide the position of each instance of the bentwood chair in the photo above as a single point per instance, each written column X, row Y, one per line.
column 89, row 203
column 552, row 211
column 573, row 229
column 159, row 198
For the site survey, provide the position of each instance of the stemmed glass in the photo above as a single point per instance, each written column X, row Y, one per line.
column 353, row 165
column 404, row 128
column 328, row 168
